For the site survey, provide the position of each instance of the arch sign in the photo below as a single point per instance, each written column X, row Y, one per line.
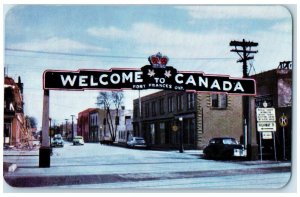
column 157, row 75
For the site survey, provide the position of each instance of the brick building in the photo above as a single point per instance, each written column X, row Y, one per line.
column 88, row 124
column 94, row 127
column 204, row 116
column 16, row 130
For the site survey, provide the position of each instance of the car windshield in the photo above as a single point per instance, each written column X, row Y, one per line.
column 57, row 138
column 229, row 141
column 78, row 137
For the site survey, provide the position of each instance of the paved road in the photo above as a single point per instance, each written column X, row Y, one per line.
column 107, row 167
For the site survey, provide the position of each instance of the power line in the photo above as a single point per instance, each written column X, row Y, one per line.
column 110, row 56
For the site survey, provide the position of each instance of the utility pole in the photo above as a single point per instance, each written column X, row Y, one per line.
column 50, row 130
column 140, row 114
column 243, row 49
column 66, row 128
column 72, row 127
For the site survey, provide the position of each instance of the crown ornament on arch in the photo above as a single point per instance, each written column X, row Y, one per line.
column 158, row 60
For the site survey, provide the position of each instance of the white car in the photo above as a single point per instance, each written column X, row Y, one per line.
column 78, row 140
column 137, row 142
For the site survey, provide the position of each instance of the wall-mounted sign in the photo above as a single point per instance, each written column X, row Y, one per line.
column 154, row 76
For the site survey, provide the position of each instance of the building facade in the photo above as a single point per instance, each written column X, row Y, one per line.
column 274, row 87
column 156, row 117
column 83, row 124
column 95, row 125
column 16, row 131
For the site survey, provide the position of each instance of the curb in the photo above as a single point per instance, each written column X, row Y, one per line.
column 9, row 167
column 60, row 180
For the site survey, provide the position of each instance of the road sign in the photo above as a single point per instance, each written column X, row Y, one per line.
column 283, row 120
column 266, row 126
column 266, row 135
column 174, row 128
column 265, row 114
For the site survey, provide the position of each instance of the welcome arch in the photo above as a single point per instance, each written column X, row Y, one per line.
column 157, row 75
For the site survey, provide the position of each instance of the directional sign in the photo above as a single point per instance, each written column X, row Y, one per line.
column 266, row 126
column 265, row 114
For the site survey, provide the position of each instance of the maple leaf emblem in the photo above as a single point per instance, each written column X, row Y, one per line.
column 168, row 73
column 151, row 73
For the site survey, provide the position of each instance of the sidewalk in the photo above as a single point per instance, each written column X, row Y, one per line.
column 34, row 152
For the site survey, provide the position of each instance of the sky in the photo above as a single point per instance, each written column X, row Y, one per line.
column 194, row 37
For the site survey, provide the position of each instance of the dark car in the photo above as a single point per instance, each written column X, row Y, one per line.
column 224, row 148
column 137, row 142
column 57, row 141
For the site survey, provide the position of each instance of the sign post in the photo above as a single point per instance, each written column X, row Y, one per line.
column 266, row 122
column 45, row 149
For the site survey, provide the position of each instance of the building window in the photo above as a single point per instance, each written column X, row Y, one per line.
column 147, row 108
column 219, row 101
column 153, row 108
column 180, row 102
column 170, row 104
column 161, row 106
column 136, row 111
column 191, row 100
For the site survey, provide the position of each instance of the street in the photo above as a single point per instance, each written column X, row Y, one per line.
column 105, row 167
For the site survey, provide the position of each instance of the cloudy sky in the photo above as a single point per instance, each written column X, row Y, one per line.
column 195, row 38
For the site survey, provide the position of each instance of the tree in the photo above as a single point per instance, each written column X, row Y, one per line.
column 32, row 121
column 104, row 101
column 117, row 99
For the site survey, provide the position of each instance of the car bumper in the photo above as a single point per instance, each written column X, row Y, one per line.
column 55, row 145
column 78, row 143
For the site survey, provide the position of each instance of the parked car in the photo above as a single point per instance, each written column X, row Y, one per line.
column 224, row 148
column 78, row 140
column 57, row 141
column 137, row 142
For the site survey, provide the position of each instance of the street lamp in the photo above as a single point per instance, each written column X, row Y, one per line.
column 181, row 135
column 66, row 128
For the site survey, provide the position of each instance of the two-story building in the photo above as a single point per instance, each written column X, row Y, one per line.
column 16, row 131
column 204, row 116
column 95, row 125
column 274, row 87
